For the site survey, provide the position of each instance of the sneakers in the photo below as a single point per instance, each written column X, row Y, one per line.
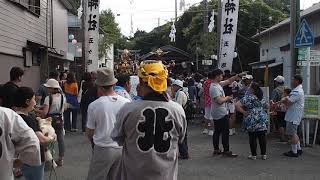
column 210, row 133
column 264, row 157
column 232, row 132
column 74, row 130
column 184, row 157
column 216, row 152
column 252, row 157
column 205, row 131
column 290, row 154
column 229, row 154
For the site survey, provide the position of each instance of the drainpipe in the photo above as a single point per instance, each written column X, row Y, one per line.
column 44, row 65
column 51, row 23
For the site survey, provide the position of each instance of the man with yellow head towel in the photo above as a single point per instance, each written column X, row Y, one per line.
column 150, row 129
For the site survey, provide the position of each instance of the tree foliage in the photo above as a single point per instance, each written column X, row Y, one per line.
column 110, row 30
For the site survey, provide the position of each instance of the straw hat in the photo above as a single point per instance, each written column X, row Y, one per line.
column 52, row 83
column 105, row 77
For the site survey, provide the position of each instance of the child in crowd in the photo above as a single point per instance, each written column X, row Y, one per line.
column 281, row 113
column 285, row 94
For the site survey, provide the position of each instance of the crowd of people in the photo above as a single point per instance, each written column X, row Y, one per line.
column 128, row 132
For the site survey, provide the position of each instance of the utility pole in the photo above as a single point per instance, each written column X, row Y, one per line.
column 158, row 22
column 205, row 16
column 294, row 24
column 219, row 29
column 176, row 10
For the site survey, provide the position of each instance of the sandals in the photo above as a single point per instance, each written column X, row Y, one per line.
column 60, row 162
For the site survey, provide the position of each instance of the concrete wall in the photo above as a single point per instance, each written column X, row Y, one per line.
column 31, row 77
column 17, row 25
column 60, row 27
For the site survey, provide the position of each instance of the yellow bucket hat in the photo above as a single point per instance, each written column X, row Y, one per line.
column 155, row 74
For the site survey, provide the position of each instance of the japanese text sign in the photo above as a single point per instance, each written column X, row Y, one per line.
column 229, row 23
column 92, row 34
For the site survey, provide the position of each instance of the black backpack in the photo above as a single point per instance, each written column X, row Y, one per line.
column 1, row 85
column 189, row 108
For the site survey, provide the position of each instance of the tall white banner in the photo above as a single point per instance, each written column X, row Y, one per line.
column 229, row 23
column 91, row 9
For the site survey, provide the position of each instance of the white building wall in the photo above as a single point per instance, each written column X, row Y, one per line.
column 60, row 28
column 31, row 76
column 271, row 43
column 17, row 25
column 281, row 37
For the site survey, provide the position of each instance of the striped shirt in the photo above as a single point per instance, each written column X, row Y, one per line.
column 207, row 98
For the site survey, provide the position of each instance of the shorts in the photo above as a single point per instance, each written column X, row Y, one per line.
column 291, row 129
column 207, row 113
column 231, row 107
column 279, row 120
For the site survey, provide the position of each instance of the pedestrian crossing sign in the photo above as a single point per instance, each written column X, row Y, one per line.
column 304, row 36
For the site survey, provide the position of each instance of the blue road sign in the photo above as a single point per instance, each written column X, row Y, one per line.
column 304, row 36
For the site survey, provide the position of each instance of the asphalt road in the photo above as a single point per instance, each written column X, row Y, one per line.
column 202, row 166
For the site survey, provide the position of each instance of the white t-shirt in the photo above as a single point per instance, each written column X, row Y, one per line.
column 102, row 116
column 218, row 111
column 56, row 103
column 16, row 137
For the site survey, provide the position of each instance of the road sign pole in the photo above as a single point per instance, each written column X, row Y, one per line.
column 307, row 79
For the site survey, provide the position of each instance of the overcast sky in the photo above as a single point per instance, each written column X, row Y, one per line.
column 146, row 12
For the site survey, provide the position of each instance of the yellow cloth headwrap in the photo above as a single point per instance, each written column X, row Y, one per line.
column 155, row 74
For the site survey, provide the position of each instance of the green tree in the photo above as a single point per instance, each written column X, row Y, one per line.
column 254, row 17
column 110, row 30
column 282, row 5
